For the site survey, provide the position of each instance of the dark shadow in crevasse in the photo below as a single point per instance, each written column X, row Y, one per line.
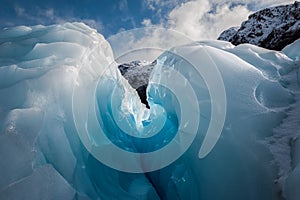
column 142, row 94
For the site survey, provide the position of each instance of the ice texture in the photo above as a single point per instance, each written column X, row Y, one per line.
column 44, row 183
column 57, row 82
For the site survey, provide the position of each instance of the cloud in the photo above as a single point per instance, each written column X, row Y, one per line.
column 19, row 11
column 201, row 19
column 123, row 5
column 46, row 16
column 144, row 43
column 158, row 4
column 146, row 22
column 257, row 5
column 198, row 20
column 206, row 19
column 160, row 8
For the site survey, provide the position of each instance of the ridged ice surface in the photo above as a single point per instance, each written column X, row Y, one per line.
column 63, row 101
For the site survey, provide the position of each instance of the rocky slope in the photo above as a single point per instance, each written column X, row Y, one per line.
column 137, row 73
column 271, row 28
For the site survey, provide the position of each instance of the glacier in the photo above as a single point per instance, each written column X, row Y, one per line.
column 72, row 127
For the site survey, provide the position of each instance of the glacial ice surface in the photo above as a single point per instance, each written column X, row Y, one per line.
column 59, row 81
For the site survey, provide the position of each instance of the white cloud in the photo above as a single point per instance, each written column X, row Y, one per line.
column 147, row 22
column 144, row 43
column 187, row 18
column 196, row 19
column 226, row 17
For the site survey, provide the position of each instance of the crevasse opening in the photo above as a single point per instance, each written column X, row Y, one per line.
column 124, row 127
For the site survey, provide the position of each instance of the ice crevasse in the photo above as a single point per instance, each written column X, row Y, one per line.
column 65, row 107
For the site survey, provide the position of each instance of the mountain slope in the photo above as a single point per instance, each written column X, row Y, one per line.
column 271, row 28
column 137, row 73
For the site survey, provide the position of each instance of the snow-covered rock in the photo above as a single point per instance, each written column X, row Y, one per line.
column 229, row 33
column 137, row 73
column 271, row 28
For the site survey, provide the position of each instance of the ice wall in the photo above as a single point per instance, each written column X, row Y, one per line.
column 60, row 88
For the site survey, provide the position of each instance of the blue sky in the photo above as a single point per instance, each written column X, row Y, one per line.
column 198, row 18
column 108, row 16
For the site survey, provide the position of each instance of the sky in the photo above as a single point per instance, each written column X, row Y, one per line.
column 198, row 19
